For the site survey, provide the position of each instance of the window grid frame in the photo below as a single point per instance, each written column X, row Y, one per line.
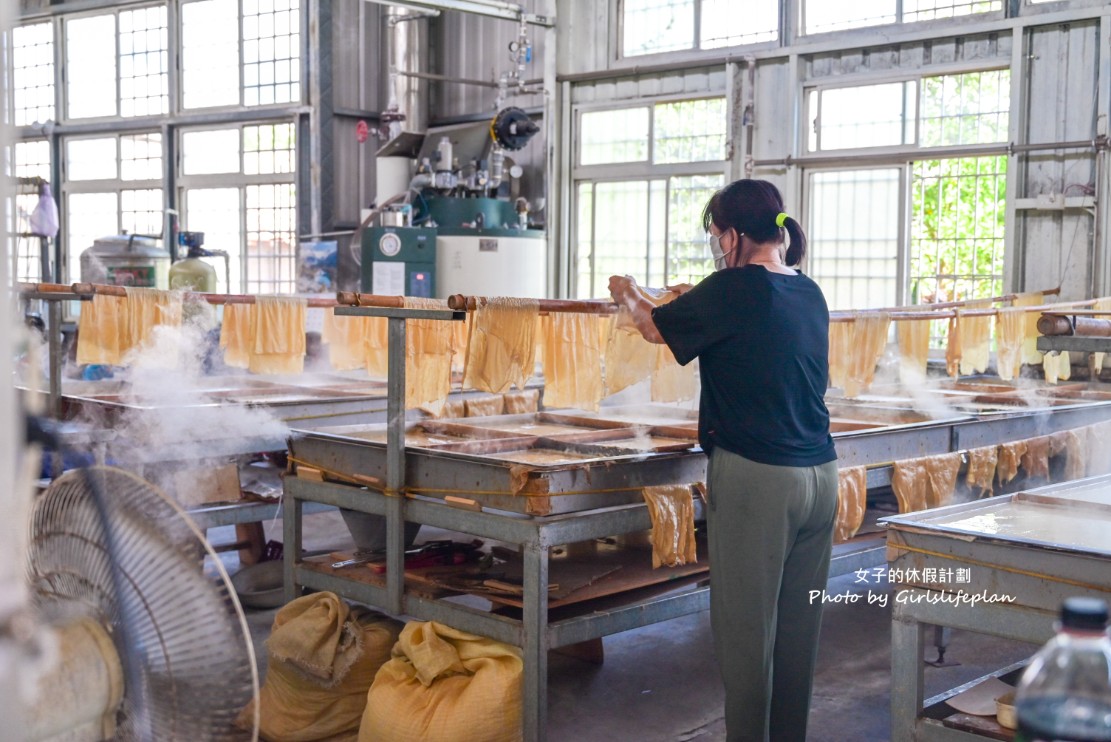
column 915, row 148
column 618, row 11
column 241, row 182
column 54, row 73
column 70, row 267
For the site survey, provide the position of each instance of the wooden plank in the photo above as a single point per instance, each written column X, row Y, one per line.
column 985, row 726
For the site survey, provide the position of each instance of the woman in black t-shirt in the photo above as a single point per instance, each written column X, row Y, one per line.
column 760, row 329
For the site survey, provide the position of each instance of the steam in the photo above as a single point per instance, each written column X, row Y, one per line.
column 172, row 414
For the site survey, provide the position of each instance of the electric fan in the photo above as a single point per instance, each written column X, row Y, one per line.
column 133, row 608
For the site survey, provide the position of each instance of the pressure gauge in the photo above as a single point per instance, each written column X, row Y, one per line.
column 389, row 244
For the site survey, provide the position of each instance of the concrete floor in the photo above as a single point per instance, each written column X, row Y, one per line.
column 660, row 683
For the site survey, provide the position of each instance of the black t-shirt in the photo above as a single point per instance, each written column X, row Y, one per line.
column 762, row 341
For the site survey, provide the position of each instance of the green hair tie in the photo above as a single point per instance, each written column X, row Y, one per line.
column 780, row 219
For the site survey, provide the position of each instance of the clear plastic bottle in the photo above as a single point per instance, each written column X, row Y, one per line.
column 1065, row 693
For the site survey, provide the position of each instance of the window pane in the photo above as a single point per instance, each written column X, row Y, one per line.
column 822, row 15
column 966, row 109
column 33, row 73
column 854, row 237
column 91, row 159
column 688, row 252
column 271, row 51
column 720, row 27
column 141, row 156
column 651, row 26
column 614, row 136
column 584, row 226
column 657, row 232
column 210, row 53
column 211, row 151
column 90, row 217
column 268, row 149
column 866, row 116
column 620, row 244
column 31, row 159
column 141, row 211
column 215, row 211
column 925, row 10
column 957, row 229
column 144, row 86
column 91, row 66
column 271, row 239
column 690, row 131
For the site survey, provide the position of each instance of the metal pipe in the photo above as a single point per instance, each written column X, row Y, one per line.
column 54, row 339
column 459, row 302
column 1096, row 145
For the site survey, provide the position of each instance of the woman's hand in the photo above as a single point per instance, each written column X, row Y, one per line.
column 620, row 287
column 680, row 288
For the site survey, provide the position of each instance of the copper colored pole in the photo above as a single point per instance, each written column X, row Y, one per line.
column 355, row 299
column 1056, row 324
column 458, row 302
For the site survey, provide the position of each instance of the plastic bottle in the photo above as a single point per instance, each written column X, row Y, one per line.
column 1065, row 692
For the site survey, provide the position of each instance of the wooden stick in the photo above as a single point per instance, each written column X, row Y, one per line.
column 459, row 302
column 958, row 304
column 89, row 289
column 1056, row 324
column 355, row 299
column 851, row 315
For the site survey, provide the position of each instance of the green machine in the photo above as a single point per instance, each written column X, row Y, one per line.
column 399, row 261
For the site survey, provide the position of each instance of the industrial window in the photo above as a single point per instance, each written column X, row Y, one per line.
column 29, row 162
column 271, row 67
column 210, row 53
column 820, row 16
column 659, row 240
column 271, row 238
column 689, row 131
column 966, row 109
column 619, row 135
column 32, row 74
column 128, row 76
column 645, row 219
column 957, row 217
column 111, row 185
column 854, row 236
column 239, row 190
column 144, row 62
column 938, row 111
column 241, row 53
column 864, row 116
column 656, row 26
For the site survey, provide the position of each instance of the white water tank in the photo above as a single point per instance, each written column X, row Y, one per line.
column 494, row 262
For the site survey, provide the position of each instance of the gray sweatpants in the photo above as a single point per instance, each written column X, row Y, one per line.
column 771, row 529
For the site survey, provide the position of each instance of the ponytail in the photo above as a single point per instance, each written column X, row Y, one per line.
column 796, row 250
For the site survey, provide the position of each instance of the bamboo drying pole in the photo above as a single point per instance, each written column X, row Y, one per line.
column 91, row 289
column 958, row 304
column 459, row 302
column 355, row 299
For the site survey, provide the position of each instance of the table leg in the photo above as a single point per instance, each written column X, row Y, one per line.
column 907, row 646
column 535, row 625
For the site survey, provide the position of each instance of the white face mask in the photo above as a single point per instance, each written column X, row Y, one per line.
column 717, row 252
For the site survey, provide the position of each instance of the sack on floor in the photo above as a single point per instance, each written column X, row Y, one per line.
column 441, row 681
column 323, row 656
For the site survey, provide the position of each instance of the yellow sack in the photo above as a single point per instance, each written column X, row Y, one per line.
column 323, row 656
column 444, row 685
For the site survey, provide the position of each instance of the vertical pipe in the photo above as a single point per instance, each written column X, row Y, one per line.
column 395, row 466
column 291, row 535
column 535, row 624
column 54, row 338
column 907, row 641
column 408, row 41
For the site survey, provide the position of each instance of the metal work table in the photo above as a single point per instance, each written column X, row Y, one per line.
column 1038, row 547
